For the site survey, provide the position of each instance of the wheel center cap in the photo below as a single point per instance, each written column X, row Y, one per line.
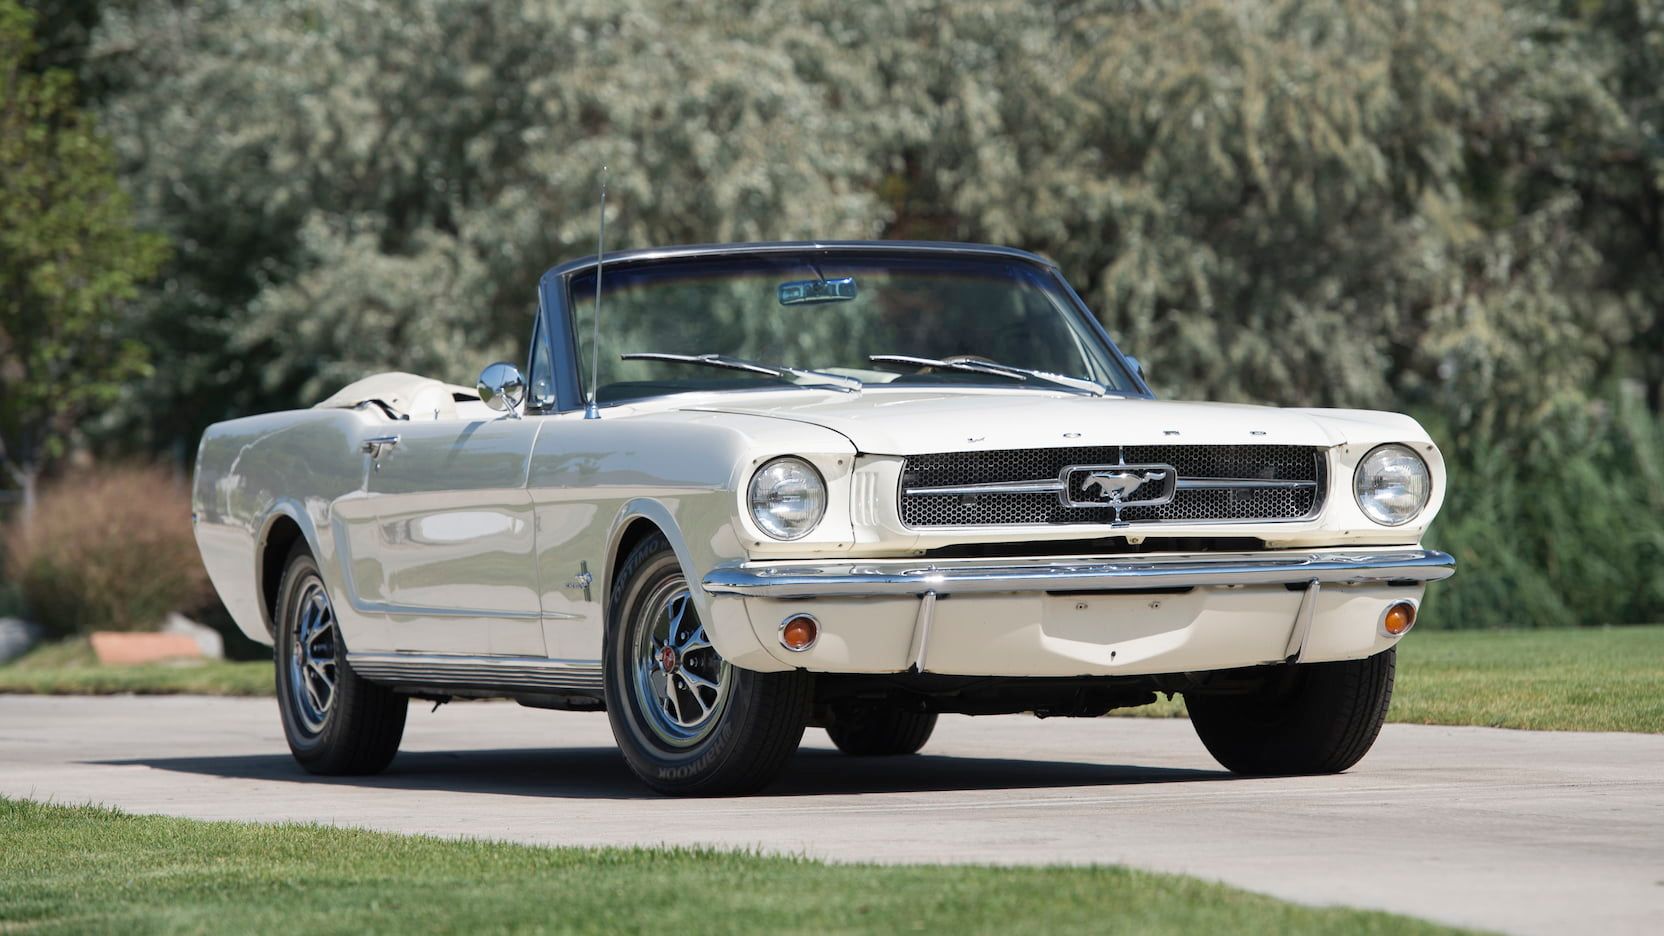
column 667, row 659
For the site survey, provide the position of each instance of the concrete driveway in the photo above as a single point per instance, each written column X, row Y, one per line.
column 1528, row 832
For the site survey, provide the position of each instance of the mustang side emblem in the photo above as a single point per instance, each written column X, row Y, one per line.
column 1115, row 486
column 582, row 579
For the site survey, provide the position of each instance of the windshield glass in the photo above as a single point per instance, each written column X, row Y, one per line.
column 832, row 312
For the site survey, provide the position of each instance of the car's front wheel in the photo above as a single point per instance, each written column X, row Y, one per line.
column 688, row 722
column 336, row 722
column 1313, row 718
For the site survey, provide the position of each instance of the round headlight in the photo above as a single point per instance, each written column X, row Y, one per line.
column 1392, row 485
column 787, row 498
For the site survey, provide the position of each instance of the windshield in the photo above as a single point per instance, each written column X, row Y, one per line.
column 792, row 319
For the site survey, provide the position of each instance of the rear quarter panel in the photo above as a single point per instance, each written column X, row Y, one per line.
column 252, row 472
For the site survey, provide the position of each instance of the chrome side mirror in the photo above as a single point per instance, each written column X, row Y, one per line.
column 502, row 388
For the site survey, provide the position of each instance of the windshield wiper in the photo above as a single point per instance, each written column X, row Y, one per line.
column 1012, row 371
column 801, row 376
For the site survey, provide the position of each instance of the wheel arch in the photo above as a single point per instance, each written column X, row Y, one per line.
column 635, row 530
column 636, row 521
column 284, row 527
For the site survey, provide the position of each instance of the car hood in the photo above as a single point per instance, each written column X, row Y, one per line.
column 893, row 422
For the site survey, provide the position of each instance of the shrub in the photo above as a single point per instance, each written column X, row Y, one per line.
column 108, row 549
column 1564, row 529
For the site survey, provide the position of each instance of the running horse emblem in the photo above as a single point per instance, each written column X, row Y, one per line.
column 1115, row 486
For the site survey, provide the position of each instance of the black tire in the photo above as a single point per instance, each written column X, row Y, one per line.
column 879, row 731
column 358, row 730
column 1314, row 718
column 750, row 726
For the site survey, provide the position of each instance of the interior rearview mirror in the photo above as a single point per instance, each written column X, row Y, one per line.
column 798, row 292
column 502, row 388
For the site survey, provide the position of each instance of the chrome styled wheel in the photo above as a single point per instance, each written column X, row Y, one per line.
column 681, row 683
column 688, row 721
column 312, row 668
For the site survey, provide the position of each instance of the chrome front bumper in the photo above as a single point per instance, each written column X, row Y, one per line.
column 899, row 577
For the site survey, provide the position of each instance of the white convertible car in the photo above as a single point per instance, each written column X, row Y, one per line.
column 847, row 485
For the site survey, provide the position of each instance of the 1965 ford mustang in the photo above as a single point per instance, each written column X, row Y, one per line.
column 851, row 485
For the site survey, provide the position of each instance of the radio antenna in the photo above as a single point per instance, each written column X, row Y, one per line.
column 591, row 410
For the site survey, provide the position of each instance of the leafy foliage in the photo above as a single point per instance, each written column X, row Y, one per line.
column 1450, row 206
column 1561, row 527
column 69, row 259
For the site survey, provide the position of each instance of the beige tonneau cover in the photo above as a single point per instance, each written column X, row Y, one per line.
column 403, row 396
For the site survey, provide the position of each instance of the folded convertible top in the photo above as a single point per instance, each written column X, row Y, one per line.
column 402, row 396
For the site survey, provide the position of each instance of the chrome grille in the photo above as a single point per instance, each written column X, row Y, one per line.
column 1289, row 485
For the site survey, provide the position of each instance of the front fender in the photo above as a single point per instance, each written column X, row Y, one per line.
column 726, row 622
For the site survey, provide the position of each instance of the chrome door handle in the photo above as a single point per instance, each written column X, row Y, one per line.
column 373, row 446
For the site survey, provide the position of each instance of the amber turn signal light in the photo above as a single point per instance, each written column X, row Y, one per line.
column 799, row 632
column 1399, row 619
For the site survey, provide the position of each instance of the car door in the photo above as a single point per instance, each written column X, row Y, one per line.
column 454, row 537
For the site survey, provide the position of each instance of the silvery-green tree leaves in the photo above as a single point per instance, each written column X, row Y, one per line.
column 361, row 186
column 1449, row 206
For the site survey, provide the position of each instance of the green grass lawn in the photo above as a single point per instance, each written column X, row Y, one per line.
column 91, row 870
column 1608, row 679
column 69, row 668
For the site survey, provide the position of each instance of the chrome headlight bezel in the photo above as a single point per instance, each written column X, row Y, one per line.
column 773, row 484
column 1389, row 466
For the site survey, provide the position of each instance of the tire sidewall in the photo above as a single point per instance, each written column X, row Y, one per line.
column 647, row 567
column 1320, row 719
column 301, row 570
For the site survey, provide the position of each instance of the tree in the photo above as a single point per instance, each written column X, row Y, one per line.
column 359, row 188
column 70, row 259
column 1451, row 207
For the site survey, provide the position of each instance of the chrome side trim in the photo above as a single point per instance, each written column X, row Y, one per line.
column 477, row 672
column 895, row 577
column 364, row 606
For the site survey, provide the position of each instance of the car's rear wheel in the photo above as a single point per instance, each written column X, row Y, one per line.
column 336, row 722
column 879, row 730
column 688, row 722
column 1313, row 718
